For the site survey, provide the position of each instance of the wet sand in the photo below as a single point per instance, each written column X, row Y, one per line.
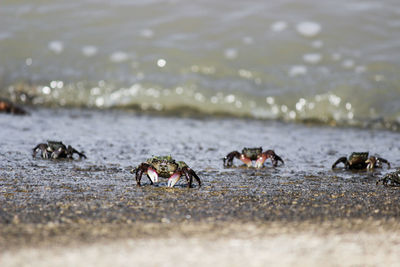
column 91, row 212
column 304, row 244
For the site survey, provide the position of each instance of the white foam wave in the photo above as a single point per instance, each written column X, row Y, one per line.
column 308, row 28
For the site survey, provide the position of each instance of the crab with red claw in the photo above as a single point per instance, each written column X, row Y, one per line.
column 56, row 150
column 361, row 161
column 166, row 167
column 8, row 107
column 250, row 154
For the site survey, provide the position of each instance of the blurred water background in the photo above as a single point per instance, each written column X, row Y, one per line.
column 328, row 62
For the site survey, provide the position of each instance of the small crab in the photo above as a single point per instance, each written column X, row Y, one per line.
column 55, row 150
column 250, row 154
column 391, row 179
column 166, row 167
column 8, row 107
column 360, row 161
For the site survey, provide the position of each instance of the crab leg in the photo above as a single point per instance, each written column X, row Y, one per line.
column 189, row 174
column 341, row 160
column 71, row 151
column 174, row 178
column 229, row 158
column 152, row 175
column 381, row 160
column 276, row 159
column 43, row 148
column 139, row 171
column 58, row 153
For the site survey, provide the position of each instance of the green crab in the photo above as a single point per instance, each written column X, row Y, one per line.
column 166, row 167
column 360, row 161
column 250, row 154
column 391, row 179
column 55, row 150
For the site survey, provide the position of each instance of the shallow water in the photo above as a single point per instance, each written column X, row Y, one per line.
column 125, row 139
column 292, row 60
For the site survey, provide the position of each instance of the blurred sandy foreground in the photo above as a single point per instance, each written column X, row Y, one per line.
column 277, row 247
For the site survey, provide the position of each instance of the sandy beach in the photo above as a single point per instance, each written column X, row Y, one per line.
column 370, row 243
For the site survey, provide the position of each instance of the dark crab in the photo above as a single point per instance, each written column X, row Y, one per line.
column 250, row 154
column 360, row 161
column 8, row 107
column 166, row 167
column 55, row 150
column 391, row 179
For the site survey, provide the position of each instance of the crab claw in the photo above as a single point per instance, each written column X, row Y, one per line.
column 371, row 163
column 174, row 178
column 245, row 160
column 260, row 160
column 152, row 174
column 56, row 154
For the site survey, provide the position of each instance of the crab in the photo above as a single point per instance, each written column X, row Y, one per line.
column 8, row 107
column 250, row 154
column 391, row 179
column 166, row 167
column 55, row 150
column 360, row 161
